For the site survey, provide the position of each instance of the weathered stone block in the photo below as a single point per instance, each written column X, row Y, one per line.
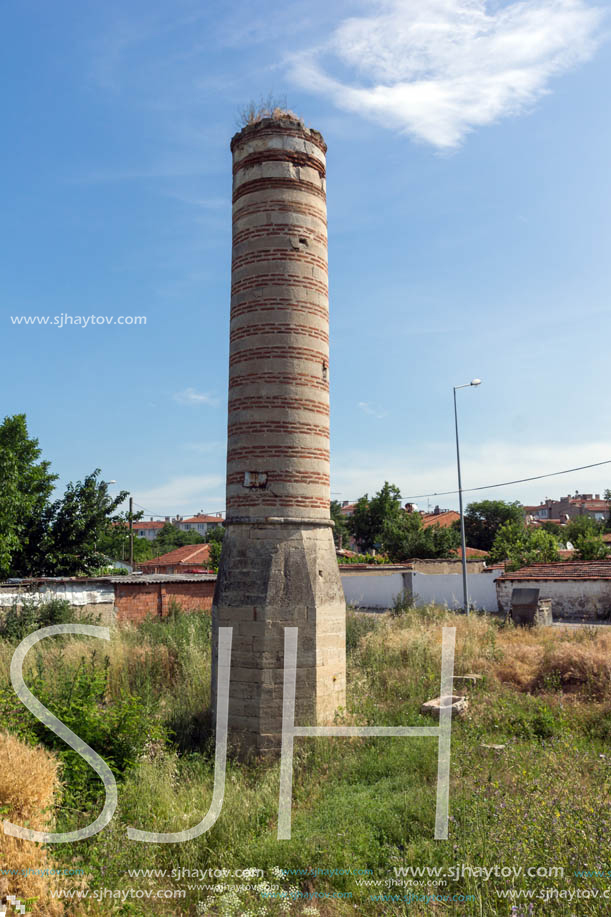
column 457, row 703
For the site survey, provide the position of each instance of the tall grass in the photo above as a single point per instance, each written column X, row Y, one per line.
column 361, row 804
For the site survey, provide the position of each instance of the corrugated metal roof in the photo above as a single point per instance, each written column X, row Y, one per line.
column 130, row 579
column 164, row 578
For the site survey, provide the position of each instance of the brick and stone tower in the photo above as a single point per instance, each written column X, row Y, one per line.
column 278, row 567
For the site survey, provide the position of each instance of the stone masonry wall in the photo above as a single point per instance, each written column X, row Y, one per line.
column 576, row 599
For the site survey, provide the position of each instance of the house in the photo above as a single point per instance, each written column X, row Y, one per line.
column 579, row 590
column 191, row 558
column 570, row 507
column 347, row 508
column 472, row 553
column 441, row 517
column 201, row 523
column 148, row 530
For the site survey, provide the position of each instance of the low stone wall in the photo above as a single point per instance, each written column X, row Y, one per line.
column 378, row 587
column 577, row 599
column 87, row 596
column 117, row 599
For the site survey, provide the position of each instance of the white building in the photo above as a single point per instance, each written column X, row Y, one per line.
column 200, row 523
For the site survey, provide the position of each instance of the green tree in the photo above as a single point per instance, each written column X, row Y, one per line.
column 405, row 537
column 341, row 533
column 26, row 485
column 607, row 496
column 484, row 519
column 590, row 546
column 367, row 521
column 115, row 542
column 74, row 527
column 215, row 540
column 519, row 546
column 558, row 531
column 171, row 537
column 581, row 526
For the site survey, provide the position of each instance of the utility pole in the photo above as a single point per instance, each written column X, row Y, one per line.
column 131, row 532
column 462, row 516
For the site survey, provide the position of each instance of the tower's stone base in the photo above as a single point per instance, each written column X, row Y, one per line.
column 273, row 576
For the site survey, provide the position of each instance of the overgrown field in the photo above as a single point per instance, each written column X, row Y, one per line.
column 363, row 809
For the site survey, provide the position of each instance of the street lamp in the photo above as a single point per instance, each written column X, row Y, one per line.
column 462, row 517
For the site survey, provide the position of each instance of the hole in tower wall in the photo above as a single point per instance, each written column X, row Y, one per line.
column 303, row 242
column 325, row 371
column 255, row 480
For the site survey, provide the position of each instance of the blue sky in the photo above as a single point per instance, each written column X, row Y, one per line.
column 469, row 233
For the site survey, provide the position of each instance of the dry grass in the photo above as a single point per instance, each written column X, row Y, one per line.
column 574, row 661
column 28, row 784
column 533, row 660
column 269, row 107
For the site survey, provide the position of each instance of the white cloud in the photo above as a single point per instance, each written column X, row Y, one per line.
column 436, row 69
column 191, row 396
column 184, row 494
column 431, row 468
column 372, row 409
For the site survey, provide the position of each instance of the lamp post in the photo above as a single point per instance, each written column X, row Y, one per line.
column 462, row 517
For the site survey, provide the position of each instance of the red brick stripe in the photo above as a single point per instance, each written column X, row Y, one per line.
column 268, row 230
column 285, row 477
column 269, row 255
column 262, row 498
column 252, row 281
column 267, row 427
column 262, row 451
column 278, row 305
column 302, row 380
column 275, row 205
column 277, row 353
column 254, row 132
column 295, row 157
column 246, row 331
column 273, row 402
column 268, row 184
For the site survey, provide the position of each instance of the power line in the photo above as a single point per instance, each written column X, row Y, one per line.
column 449, row 493
column 166, row 515
column 536, row 477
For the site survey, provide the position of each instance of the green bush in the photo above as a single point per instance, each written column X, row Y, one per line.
column 77, row 695
column 358, row 625
column 21, row 620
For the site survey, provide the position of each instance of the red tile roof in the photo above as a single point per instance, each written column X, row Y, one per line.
column 347, row 509
column 149, row 525
column 471, row 553
column 201, row 518
column 444, row 520
column 570, row 570
column 187, row 554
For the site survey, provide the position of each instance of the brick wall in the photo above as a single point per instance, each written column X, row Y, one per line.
column 136, row 601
